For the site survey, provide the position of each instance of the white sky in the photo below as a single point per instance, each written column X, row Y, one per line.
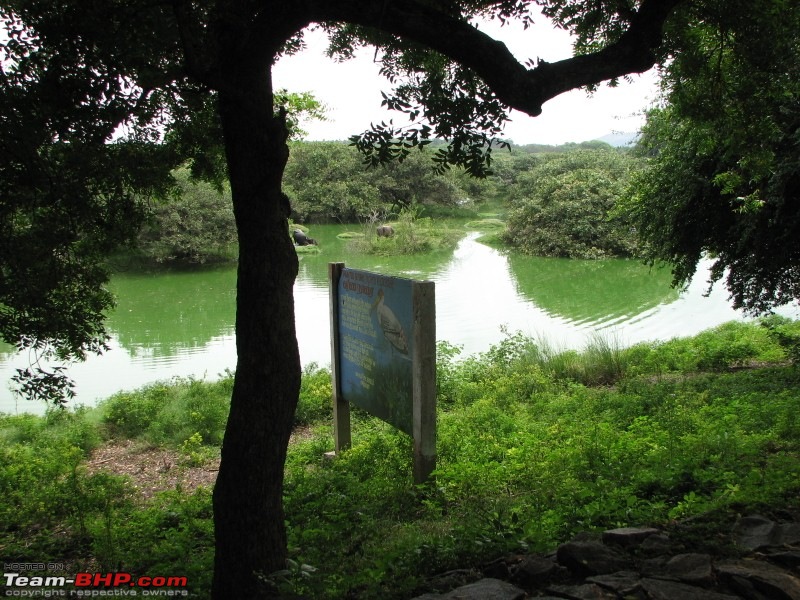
column 351, row 91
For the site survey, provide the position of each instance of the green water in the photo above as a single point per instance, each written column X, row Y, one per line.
column 181, row 323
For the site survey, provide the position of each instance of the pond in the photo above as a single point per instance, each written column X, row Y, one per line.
column 181, row 323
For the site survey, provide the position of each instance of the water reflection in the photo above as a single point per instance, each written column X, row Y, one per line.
column 158, row 315
column 182, row 323
column 591, row 291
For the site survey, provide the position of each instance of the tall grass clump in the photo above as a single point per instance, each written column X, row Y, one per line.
column 316, row 396
column 412, row 235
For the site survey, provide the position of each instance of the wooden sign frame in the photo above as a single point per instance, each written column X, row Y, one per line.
column 418, row 346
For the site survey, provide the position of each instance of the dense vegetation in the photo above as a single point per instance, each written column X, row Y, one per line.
column 565, row 205
column 195, row 225
column 563, row 199
column 534, row 445
column 328, row 182
column 193, row 81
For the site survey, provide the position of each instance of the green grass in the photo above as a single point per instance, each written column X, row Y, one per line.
column 486, row 224
column 349, row 235
column 535, row 443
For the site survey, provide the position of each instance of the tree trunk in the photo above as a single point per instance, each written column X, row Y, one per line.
column 248, row 509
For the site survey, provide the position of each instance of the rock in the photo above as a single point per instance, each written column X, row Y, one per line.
column 453, row 579
column 754, row 575
column 497, row 569
column 534, row 571
column 625, row 583
column 643, row 564
column 755, row 532
column 586, row 591
column 691, row 568
column 628, row 537
column 661, row 589
column 486, row 589
column 789, row 559
column 655, row 545
column 591, row 558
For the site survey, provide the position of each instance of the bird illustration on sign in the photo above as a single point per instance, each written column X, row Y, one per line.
column 390, row 325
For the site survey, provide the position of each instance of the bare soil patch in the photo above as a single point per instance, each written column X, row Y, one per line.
column 153, row 470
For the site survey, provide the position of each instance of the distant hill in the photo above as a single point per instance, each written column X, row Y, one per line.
column 620, row 138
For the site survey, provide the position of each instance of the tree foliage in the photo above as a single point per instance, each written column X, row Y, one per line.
column 565, row 206
column 67, row 197
column 723, row 175
column 326, row 181
column 194, row 226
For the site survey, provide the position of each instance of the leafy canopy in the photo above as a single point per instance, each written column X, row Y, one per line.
column 723, row 174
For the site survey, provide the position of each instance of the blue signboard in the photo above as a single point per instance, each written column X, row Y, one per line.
column 376, row 345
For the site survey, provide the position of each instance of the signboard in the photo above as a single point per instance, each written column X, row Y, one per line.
column 376, row 345
column 383, row 356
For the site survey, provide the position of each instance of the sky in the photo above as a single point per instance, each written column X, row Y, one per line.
column 351, row 90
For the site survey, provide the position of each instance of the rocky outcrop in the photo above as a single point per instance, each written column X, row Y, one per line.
column 760, row 561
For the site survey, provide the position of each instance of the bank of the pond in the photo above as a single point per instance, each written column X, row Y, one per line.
column 534, row 445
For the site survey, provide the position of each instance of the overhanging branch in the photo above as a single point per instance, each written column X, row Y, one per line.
column 514, row 84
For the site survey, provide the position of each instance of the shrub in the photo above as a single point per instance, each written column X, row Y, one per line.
column 786, row 333
column 171, row 412
column 565, row 207
column 316, row 396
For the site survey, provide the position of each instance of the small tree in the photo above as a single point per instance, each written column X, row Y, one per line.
column 195, row 225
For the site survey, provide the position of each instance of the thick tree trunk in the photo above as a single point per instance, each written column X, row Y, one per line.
column 248, row 511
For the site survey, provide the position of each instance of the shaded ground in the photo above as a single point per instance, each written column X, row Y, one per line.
column 153, row 470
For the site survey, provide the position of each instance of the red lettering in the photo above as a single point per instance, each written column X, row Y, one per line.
column 83, row 579
column 104, row 580
column 121, row 578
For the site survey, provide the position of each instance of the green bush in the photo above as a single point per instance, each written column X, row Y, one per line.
column 196, row 226
column 131, row 414
column 171, row 413
column 316, row 396
column 565, row 206
column 786, row 333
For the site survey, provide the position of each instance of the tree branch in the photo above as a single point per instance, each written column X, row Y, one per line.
column 514, row 84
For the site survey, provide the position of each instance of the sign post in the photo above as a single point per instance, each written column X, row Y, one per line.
column 383, row 356
column 341, row 407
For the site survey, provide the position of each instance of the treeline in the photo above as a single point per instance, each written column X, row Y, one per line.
column 560, row 200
